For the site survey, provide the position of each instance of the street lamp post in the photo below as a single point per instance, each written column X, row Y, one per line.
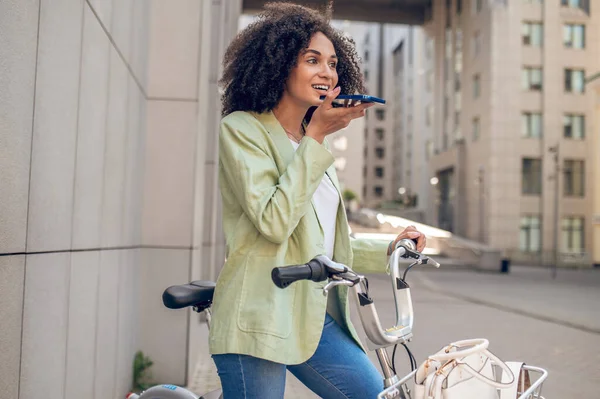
column 480, row 178
column 555, row 177
column 436, row 200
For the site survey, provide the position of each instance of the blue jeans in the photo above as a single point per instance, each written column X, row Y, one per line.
column 339, row 369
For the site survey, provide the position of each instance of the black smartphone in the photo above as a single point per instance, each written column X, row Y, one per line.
column 343, row 100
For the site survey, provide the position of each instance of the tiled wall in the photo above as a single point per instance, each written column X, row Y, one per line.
column 102, row 142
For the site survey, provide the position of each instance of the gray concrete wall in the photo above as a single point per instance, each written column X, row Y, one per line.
column 106, row 185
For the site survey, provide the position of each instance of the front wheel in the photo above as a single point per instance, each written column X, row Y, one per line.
column 216, row 394
column 165, row 392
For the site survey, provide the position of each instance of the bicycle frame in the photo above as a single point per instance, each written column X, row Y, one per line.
column 378, row 338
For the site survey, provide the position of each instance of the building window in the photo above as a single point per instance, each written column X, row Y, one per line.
column 532, row 78
column 428, row 115
column 340, row 164
column 476, row 86
column 341, row 143
column 458, row 6
column 379, row 171
column 364, row 172
column 379, row 133
column 573, row 234
column 366, row 55
column 532, row 34
column 477, row 5
column 446, row 107
column 531, row 125
column 380, row 114
column 574, row 126
column 574, row 80
column 428, row 48
column 476, row 43
column 582, row 4
column 378, row 190
column 574, row 175
column 366, row 74
column 531, row 176
column 476, row 129
column 429, row 82
column 530, row 237
column 574, row 36
column 457, row 83
column 380, row 152
column 429, row 151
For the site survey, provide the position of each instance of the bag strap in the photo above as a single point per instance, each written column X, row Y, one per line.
column 511, row 392
column 450, row 352
column 506, row 370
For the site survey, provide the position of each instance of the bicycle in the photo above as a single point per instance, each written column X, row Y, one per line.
column 198, row 295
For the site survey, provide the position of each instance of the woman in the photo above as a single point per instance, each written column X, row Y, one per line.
column 281, row 206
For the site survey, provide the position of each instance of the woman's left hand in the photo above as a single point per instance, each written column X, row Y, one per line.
column 411, row 232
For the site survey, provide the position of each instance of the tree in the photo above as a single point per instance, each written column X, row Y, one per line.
column 348, row 195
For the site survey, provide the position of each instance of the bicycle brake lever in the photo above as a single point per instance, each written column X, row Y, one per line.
column 427, row 260
column 331, row 266
column 412, row 254
column 334, row 283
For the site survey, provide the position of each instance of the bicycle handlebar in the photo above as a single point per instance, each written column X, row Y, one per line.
column 318, row 269
column 313, row 270
column 322, row 268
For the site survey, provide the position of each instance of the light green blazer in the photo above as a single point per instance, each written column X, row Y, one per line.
column 269, row 220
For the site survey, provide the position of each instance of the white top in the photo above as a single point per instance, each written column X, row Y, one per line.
column 327, row 201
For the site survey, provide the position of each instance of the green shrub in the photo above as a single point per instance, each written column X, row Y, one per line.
column 141, row 372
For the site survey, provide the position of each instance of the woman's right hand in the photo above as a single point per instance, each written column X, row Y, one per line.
column 326, row 119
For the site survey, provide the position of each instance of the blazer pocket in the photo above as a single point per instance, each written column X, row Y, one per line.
column 265, row 308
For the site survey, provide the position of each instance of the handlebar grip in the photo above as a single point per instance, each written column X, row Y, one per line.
column 286, row 275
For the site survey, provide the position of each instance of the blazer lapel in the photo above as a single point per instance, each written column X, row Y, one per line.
column 342, row 245
column 280, row 138
column 283, row 144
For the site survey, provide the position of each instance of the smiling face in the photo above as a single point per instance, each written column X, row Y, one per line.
column 314, row 74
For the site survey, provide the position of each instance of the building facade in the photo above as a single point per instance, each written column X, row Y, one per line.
column 513, row 126
column 380, row 181
column 594, row 84
column 347, row 145
column 413, row 60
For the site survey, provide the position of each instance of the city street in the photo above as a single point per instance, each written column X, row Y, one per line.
column 526, row 315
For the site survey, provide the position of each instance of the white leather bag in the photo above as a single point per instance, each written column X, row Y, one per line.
column 462, row 370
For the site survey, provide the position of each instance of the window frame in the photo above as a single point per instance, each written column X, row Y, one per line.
column 533, row 222
column 571, row 117
column 528, row 71
column 569, row 79
column 570, row 28
column 527, row 120
column 476, row 86
column 531, row 179
column 568, row 230
column 529, row 26
column 573, row 178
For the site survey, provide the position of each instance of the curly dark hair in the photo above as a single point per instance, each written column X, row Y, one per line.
column 259, row 60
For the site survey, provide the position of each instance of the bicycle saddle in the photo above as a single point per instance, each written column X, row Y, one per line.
column 195, row 293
